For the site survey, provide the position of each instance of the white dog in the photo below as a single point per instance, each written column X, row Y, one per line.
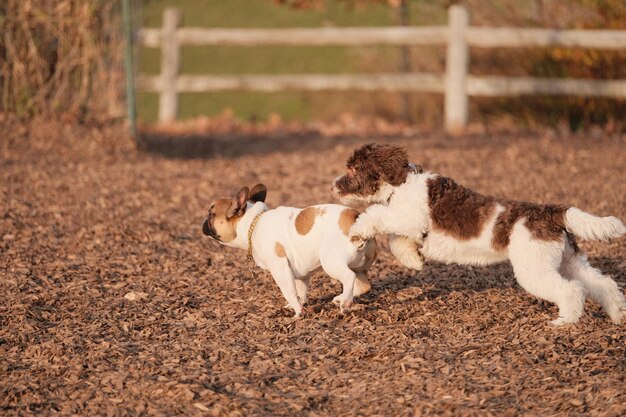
column 291, row 243
column 437, row 218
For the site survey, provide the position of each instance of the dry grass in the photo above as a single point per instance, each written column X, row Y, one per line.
column 62, row 56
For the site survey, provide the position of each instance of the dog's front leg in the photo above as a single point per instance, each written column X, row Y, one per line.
column 407, row 251
column 368, row 224
column 286, row 282
column 376, row 219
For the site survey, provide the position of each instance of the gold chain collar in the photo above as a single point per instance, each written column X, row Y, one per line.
column 250, row 231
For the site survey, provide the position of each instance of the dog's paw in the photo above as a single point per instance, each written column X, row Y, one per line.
column 561, row 321
column 413, row 261
column 619, row 316
column 303, row 302
column 407, row 252
column 299, row 313
column 358, row 241
column 344, row 305
column 361, row 229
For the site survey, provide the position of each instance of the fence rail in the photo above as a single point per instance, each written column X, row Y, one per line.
column 428, row 35
column 425, row 83
column 456, row 84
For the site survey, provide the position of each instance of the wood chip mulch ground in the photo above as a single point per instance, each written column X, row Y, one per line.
column 114, row 303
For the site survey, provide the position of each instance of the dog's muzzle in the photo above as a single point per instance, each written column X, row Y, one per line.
column 334, row 189
column 208, row 230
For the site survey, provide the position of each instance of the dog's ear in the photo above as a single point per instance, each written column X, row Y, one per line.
column 258, row 193
column 390, row 162
column 240, row 203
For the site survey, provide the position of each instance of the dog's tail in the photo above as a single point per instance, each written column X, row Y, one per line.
column 406, row 251
column 589, row 227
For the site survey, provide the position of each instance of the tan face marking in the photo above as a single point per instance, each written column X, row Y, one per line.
column 306, row 218
column 280, row 250
column 226, row 228
column 347, row 219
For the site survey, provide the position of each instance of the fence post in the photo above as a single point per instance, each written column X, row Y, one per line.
column 129, row 67
column 170, row 65
column 457, row 61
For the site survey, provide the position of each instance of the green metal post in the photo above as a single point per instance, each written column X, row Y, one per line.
column 128, row 64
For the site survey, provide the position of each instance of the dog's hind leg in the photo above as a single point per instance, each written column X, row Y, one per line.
column 335, row 266
column 302, row 288
column 601, row 288
column 536, row 266
column 347, row 278
column 362, row 284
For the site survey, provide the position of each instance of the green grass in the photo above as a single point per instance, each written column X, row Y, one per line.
column 263, row 13
column 267, row 60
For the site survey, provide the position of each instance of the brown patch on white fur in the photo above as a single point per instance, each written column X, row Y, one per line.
column 456, row 210
column 372, row 165
column 347, row 219
column 280, row 250
column 463, row 213
column 544, row 221
column 305, row 220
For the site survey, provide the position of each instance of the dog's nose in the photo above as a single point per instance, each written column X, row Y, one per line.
column 205, row 228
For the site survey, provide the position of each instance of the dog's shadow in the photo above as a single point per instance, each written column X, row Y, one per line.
column 182, row 145
column 438, row 281
column 235, row 145
column 190, row 145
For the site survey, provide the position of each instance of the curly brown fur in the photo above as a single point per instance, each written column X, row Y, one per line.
column 462, row 213
column 370, row 166
column 544, row 221
column 456, row 210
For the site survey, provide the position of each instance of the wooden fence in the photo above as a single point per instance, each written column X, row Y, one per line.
column 456, row 84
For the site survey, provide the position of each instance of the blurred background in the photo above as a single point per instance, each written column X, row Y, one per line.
column 57, row 56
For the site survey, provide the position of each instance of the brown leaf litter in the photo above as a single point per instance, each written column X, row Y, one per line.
column 114, row 303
